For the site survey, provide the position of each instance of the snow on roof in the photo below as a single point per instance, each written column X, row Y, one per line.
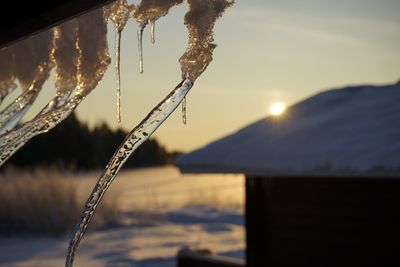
column 354, row 131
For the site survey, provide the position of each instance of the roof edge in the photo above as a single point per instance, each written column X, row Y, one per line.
column 372, row 174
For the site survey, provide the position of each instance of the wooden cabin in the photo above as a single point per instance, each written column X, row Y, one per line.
column 322, row 180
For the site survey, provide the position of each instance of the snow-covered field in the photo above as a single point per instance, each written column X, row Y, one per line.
column 163, row 211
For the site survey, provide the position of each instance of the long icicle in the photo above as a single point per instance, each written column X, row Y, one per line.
column 118, row 70
column 194, row 61
column 119, row 12
column 140, row 29
column 133, row 140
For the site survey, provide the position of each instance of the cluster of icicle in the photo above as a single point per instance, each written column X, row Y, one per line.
column 79, row 52
column 200, row 21
column 78, row 49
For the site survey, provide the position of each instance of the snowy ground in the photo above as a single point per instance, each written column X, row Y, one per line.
column 163, row 212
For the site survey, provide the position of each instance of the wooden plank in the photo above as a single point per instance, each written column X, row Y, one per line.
column 30, row 17
column 255, row 228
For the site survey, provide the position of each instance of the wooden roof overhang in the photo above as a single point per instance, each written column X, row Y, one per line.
column 26, row 18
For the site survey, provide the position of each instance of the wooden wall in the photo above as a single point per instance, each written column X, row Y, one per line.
column 322, row 222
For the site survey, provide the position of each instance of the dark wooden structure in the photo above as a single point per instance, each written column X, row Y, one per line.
column 322, row 183
column 29, row 17
column 315, row 221
column 322, row 221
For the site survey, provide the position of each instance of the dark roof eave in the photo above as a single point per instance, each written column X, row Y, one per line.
column 30, row 17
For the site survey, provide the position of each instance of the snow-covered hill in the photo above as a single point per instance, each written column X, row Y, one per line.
column 350, row 131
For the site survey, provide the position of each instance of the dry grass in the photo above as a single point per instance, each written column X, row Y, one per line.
column 213, row 198
column 43, row 203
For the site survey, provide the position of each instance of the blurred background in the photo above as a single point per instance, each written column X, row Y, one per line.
column 269, row 54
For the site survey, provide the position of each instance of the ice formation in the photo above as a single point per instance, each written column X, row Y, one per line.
column 150, row 11
column 79, row 70
column 93, row 47
column 184, row 110
column 66, row 56
column 119, row 13
column 32, row 68
column 79, row 51
column 153, row 31
column 200, row 21
column 7, row 75
column 140, row 29
column 134, row 139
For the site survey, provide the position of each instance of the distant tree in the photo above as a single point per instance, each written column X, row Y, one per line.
column 73, row 145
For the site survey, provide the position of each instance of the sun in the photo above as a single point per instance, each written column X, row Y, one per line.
column 277, row 108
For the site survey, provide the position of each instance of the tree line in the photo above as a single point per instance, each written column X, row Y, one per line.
column 73, row 145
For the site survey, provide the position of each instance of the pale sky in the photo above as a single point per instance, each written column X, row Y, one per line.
column 268, row 51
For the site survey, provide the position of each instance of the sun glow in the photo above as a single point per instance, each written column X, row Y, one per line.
column 277, row 109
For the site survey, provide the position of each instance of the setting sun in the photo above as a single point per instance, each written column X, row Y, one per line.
column 277, row 109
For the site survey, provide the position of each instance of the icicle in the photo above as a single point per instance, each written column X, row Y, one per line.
column 58, row 101
column 6, row 92
column 184, row 110
column 140, row 29
column 12, row 137
column 13, row 113
column 192, row 65
column 32, row 68
column 150, row 11
column 134, row 139
column 11, row 142
column 65, row 54
column 119, row 12
column 92, row 62
column 152, row 31
column 7, row 75
column 117, row 70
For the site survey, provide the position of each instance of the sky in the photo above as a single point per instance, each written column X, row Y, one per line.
column 268, row 51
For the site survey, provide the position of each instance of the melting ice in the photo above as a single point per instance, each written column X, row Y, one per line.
column 200, row 21
column 86, row 64
column 79, row 51
column 32, row 68
column 119, row 13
